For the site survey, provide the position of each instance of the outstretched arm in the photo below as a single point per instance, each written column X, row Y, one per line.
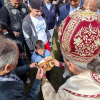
column 58, row 64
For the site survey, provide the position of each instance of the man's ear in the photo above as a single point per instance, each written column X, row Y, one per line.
column 7, row 68
column 71, row 66
column 66, row 62
column 30, row 8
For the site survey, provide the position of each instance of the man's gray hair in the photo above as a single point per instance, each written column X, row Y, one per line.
column 7, row 52
column 98, row 3
column 94, row 65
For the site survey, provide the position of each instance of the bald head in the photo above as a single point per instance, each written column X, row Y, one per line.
column 98, row 3
column 94, row 5
column 15, row 3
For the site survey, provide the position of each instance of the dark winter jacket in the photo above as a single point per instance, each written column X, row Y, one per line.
column 12, row 90
column 50, row 15
column 64, row 12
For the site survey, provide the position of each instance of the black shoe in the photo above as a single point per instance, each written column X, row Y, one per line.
column 51, row 49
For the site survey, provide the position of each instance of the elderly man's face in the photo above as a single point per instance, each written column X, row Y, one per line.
column 16, row 3
column 74, row 3
column 92, row 5
column 71, row 66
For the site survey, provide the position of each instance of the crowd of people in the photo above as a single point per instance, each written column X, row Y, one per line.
column 26, row 31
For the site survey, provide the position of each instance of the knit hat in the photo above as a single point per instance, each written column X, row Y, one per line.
column 36, row 4
column 79, row 36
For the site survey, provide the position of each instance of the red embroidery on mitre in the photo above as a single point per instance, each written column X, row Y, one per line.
column 81, row 95
column 62, row 28
column 80, row 37
column 96, row 77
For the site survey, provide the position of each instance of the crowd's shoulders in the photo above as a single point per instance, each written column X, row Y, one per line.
column 64, row 7
column 4, row 10
column 4, row 15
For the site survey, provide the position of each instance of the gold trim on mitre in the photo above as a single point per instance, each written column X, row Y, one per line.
column 65, row 47
column 87, row 13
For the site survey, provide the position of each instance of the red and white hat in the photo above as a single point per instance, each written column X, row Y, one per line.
column 79, row 36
